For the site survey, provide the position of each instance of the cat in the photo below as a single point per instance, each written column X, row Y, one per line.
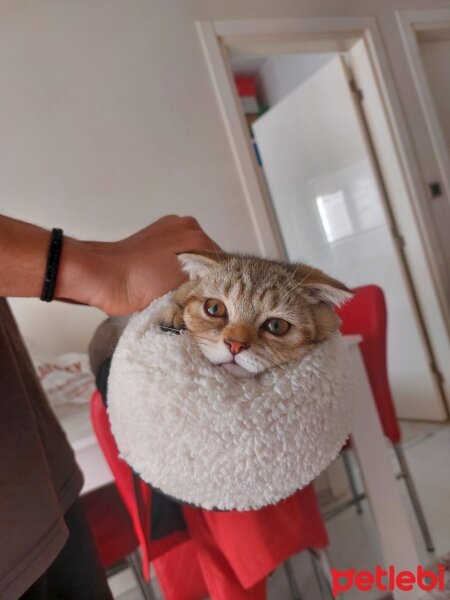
column 246, row 314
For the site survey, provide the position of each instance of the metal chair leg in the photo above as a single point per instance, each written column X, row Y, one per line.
column 295, row 592
column 133, row 560
column 319, row 559
column 319, row 578
column 406, row 473
column 352, row 481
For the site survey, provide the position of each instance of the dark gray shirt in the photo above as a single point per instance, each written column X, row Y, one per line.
column 39, row 478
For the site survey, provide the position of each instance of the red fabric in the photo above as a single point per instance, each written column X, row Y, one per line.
column 110, row 524
column 234, row 551
column 366, row 314
column 179, row 574
column 218, row 572
column 245, row 85
column 256, row 542
column 140, row 515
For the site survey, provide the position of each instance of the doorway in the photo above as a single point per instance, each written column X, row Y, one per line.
column 324, row 194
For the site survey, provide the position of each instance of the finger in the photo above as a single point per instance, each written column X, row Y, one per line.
column 189, row 222
column 193, row 240
column 165, row 222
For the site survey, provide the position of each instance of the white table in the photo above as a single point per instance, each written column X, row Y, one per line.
column 382, row 488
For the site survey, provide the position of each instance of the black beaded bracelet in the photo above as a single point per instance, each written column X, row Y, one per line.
column 51, row 270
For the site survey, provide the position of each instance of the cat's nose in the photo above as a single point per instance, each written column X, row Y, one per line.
column 235, row 346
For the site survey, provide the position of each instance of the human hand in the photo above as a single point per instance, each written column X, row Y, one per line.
column 125, row 276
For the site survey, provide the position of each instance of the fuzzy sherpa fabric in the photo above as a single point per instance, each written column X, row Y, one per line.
column 202, row 436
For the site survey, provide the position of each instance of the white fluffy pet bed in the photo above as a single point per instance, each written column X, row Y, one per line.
column 204, row 437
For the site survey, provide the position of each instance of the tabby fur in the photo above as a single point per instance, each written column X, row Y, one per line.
column 252, row 291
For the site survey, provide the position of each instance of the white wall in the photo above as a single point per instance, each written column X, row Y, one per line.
column 108, row 120
column 280, row 75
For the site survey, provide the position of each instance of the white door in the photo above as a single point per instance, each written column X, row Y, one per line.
column 331, row 215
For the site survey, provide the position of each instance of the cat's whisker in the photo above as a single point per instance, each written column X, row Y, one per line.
column 295, row 271
column 249, row 287
column 296, row 285
column 276, row 354
column 277, row 364
column 272, row 360
column 285, row 289
column 307, row 275
column 290, row 290
column 197, row 337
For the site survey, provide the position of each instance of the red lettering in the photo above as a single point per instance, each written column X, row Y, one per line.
column 405, row 581
column 391, row 578
column 422, row 575
column 336, row 576
column 379, row 574
column 364, row 581
column 441, row 578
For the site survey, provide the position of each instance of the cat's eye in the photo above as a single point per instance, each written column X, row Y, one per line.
column 276, row 326
column 215, row 308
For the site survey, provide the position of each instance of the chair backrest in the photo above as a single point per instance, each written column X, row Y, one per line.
column 365, row 314
column 135, row 493
column 110, row 524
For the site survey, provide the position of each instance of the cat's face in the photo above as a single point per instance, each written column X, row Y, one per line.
column 248, row 314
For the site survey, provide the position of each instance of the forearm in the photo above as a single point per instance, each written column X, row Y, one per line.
column 23, row 257
column 117, row 277
column 23, row 254
column 84, row 268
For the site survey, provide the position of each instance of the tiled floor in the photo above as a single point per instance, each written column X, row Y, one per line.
column 353, row 537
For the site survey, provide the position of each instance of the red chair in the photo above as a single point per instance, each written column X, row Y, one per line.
column 110, row 525
column 112, row 530
column 227, row 555
column 365, row 314
column 136, row 496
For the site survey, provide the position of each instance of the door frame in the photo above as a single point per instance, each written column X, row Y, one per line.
column 411, row 23
column 293, row 36
column 318, row 34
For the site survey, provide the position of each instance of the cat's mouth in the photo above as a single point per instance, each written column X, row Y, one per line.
column 235, row 369
column 228, row 362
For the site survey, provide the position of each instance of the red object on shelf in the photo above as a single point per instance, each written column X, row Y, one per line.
column 245, row 85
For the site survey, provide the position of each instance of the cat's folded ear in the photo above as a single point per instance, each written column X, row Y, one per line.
column 197, row 262
column 321, row 286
